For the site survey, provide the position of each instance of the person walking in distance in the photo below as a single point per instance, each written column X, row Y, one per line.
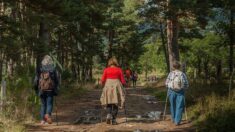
column 128, row 74
column 113, row 81
column 46, row 87
column 134, row 78
column 176, row 83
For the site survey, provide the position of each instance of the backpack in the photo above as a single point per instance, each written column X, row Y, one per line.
column 45, row 82
column 134, row 76
column 176, row 83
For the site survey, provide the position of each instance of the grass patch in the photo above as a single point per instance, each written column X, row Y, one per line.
column 210, row 108
column 11, row 126
column 75, row 90
column 159, row 94
column 214, row 113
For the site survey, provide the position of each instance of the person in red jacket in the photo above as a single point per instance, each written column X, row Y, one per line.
column 128, row 74
column 113, row 81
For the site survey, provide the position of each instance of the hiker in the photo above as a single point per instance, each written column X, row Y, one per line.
column 46, row 86
column 113, row 81
column 176, row 83
column 128, row 76
column 134, row 78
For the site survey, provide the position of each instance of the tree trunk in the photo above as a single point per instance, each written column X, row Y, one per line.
column 172, row 36
column 218, row 70
column 146, row 74
column 10, row 69
column 2, row 8
column 164, row 47
column 78, row 73
column 111, row 36
column 44, row 42
column 231, row 43
column 90, row 73
column 1, row 65
column 199, row 70
column 206, row 69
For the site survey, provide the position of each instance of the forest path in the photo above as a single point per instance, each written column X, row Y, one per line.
column 71, row 110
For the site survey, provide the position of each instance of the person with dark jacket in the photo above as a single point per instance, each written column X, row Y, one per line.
column 46, row 86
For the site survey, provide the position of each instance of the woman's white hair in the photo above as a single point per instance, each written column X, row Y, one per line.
column 47, row 60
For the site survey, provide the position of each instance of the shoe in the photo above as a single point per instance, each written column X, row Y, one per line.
column 177, row 124
column 114, row 122
column 109, row 118
column 42, row 122
column 48, row 119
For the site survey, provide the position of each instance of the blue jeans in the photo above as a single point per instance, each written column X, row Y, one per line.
column 176, row 105
column 46, row 104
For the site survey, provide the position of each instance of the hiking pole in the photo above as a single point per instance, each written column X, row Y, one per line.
column 56, row 108
column 125, row 111
column 164, row 113
column 125, row 105
column 185, row 110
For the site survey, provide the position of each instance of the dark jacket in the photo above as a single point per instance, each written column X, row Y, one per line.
column 54, row 77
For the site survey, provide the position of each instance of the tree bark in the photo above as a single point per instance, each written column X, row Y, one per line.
column 172, row 36
column 111, row 36
column 231, row 42
column 218, row 70
column 10, row 69
column 199, row 69
column 206, row 69
column 164, row 47
column 44, row 42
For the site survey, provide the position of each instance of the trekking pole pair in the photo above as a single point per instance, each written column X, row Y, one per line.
column 185, row 108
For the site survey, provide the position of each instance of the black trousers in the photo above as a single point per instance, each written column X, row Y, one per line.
column 134, row 83
column 113, row 110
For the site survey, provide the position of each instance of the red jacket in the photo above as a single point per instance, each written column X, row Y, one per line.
column 113, row 73
column 128, row 73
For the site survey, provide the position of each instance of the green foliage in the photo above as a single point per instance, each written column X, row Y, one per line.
column 152, row 59
column 214, row 113
column 71, row 90
column 66, row 75
column 160, row 94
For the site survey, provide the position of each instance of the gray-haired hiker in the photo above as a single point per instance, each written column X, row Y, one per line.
column 176, row 83
column 46, row 86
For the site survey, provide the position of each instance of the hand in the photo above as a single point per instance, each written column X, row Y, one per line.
column 122, row 105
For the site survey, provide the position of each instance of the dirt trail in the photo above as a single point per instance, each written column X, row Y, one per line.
column 70, row 110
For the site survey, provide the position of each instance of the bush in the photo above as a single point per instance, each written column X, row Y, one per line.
column 214, row 114
column 210, row 109
column 159, row 94
column 21, row 104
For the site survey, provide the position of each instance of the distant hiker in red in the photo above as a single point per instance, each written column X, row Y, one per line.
column 128, row 76
column 113, row 81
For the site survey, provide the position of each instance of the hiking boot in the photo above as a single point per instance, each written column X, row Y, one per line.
column 177, row 124
column 42, row 122
column 109, row 118
column 114, row 122
column 48, row 119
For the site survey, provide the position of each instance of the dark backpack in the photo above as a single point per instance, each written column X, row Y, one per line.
column 46, row 83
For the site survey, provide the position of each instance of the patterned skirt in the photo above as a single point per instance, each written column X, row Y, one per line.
column 111, row 90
